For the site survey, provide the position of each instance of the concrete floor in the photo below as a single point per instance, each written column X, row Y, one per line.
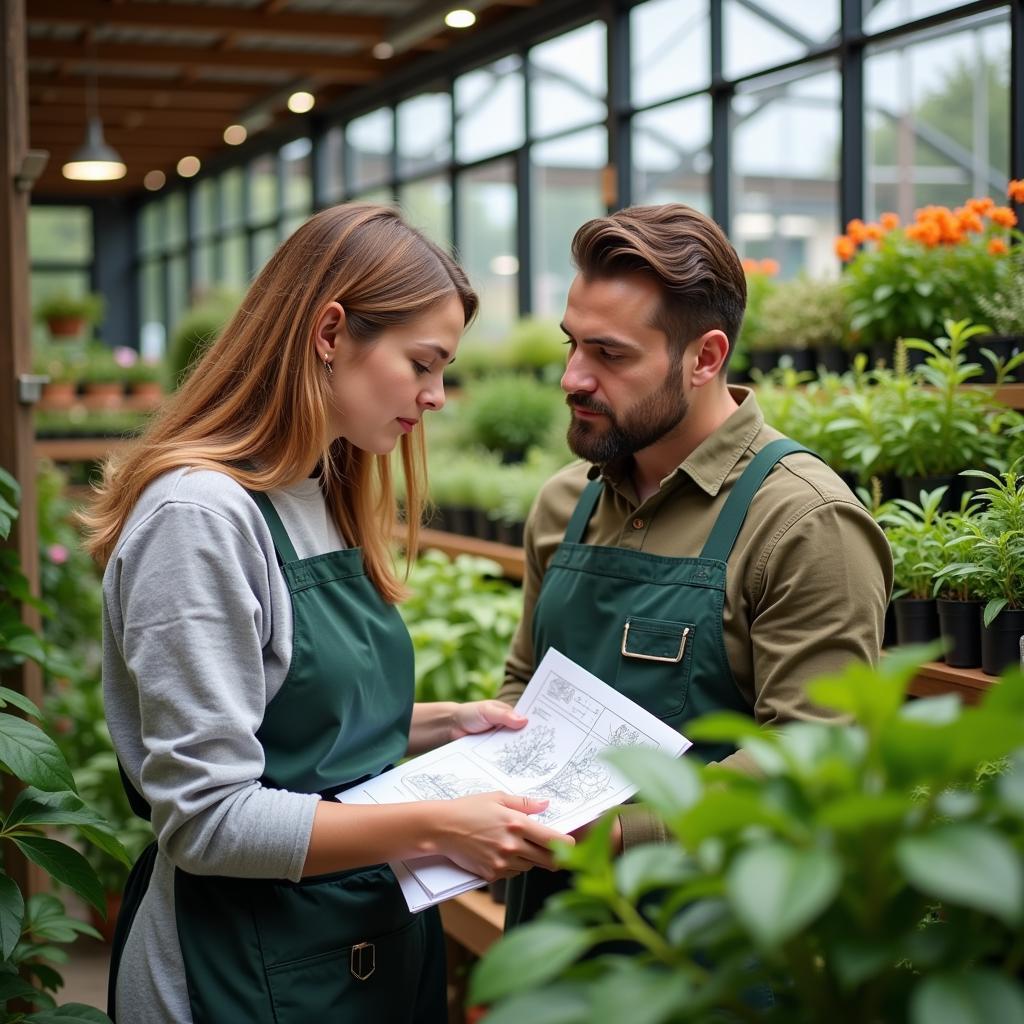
column 85, row 973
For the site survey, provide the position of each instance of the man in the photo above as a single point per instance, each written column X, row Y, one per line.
column 694, row 559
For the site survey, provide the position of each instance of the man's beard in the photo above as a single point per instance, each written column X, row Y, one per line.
column 639, row 427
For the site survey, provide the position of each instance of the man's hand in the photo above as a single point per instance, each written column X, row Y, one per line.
column 481, row 715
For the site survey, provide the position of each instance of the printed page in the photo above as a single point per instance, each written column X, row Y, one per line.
column 573, row 717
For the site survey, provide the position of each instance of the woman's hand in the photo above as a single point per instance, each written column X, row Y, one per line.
column 492, row 835
column 481, row 715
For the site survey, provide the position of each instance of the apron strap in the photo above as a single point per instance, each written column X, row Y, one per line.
column 582, row 513
column 727, row 527
column 282, row 542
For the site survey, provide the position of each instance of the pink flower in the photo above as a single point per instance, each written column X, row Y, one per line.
column 57, row 553
column 125, row 356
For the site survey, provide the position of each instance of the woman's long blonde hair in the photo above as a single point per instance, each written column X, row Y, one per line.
column 256, row 404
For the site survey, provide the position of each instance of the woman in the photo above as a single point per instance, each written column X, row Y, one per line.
column 255, row 664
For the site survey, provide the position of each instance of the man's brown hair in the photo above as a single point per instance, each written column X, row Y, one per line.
column 703, row 286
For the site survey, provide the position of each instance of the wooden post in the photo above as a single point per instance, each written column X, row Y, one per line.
column 16, row 455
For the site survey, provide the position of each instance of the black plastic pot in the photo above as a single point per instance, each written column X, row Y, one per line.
column 1000, row 642
column 460, row 519
column 833, row 358
column 803, row 359
column 881, row 352
column 917, row 621
column 484, row 526
column 889, row 630
column 510, row 533
column 960, row 626
column 912, row 486
column 1004, row 346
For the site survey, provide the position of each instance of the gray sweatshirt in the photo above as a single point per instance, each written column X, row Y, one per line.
column 197, row 634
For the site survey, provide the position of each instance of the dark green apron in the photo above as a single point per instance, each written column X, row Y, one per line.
column 333, row 948
column 649, row 625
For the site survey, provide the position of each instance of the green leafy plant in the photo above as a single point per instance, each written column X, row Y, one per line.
column 196, row 330
column 991, row 544
column 1004, row 308
column 872, row 873
column 62, row 305
column 803, row 313
column 47, row 800
column 461, row 617
column 536, row 344
column 510, row 413
column 917, row 537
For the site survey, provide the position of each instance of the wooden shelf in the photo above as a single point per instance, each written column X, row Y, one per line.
column 936, row 677
column 1011, row 395
column 78, row 449
column 511, row 559
column 473, row 920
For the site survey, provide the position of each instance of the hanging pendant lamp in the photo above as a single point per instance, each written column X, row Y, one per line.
column 94, row 160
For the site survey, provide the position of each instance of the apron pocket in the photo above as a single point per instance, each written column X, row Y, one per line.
column 363, row 982
column 655, row 656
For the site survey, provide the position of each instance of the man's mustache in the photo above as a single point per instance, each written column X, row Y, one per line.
column 579, row 401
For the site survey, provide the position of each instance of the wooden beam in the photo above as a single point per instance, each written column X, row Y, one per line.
column 140, row 116
column 355, row 70
column 358, row 28
column 133, row 84
column 16, row 454
column 155, row 136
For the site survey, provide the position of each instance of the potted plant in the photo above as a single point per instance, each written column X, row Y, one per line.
column 748, row 353
column 992, row 543
column 958, row 605
column 917, row 542
column 145, row 379
column 902, row 281
column 66, row 315
column 537, row 346
column 196, row 330
column 61, row 390
column 103, row 379
column 510, row 413
column 870, row 872
column 805, row 319
column 1004, row 312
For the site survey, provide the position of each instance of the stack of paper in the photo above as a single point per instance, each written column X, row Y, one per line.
column 573, row 717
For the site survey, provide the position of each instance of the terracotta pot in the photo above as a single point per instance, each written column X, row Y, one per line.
column 106, row 395
column 65, row 326
column 59, row 394
column 106, row 927
column 146, row 395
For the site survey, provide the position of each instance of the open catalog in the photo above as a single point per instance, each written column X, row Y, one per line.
column 573, row 717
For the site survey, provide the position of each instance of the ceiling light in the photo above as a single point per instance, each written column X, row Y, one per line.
column 94, row 160
column 459, row 18
column 188, row 166
column 383, row 51
column 235, row 134
column 154, row 180
column 301, row 102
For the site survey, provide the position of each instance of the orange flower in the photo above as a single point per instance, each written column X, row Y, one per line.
column 981, row 206
column 930, row 233
column 855, row 229
column 1003, row 215
column 969, row 219
column 769, row 267
column 890, row 221
column 1016, row 191
column 997, row 247
column 873, row 232
column 749, row 266
column 845, row 247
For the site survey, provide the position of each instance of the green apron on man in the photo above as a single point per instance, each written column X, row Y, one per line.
column 335, row 948
column 649, row 625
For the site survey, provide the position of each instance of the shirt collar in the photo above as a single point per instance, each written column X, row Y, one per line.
column 715, row 457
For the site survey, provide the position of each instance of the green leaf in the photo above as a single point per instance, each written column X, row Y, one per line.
column 862, row 810
column 724, row 727
column 13, row 987
column 19, row 700
column 559, row 1004
column 776, row 890
column 66, row 865
column 670, row 785
column 68, row 1013
column 967, row 865
column 856, row 959
column 975, row 997
column 525, row 958
column 12, row 913
column 992, row 609
column 651, row 866
column 639, row 994
column 32, row 756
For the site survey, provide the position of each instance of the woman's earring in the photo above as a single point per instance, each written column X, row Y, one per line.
column 328, row 367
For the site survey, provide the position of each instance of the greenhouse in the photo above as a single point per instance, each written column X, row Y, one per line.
column 512, row 511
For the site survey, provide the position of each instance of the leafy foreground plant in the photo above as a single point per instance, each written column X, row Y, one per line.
column 873, row 875
column 28, row 930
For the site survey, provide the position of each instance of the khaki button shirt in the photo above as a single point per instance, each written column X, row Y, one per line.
column 807, row 582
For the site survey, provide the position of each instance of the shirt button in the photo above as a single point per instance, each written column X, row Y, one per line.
column 638, row 524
